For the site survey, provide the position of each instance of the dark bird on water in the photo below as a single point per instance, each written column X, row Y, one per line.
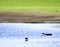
column 47, row 34
column 26, row 39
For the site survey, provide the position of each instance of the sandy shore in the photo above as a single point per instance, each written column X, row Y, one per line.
column 27, row 16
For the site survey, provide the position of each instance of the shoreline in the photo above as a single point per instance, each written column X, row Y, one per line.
column 28, row 16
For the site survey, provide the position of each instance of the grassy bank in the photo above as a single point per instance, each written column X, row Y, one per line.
column 30, row 5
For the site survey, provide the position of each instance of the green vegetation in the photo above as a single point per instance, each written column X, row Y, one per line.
column 32, row 5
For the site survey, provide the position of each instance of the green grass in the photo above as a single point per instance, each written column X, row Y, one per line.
column 31, row 5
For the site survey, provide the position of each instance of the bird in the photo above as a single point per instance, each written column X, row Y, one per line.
column 26, row 39
column 47, row 34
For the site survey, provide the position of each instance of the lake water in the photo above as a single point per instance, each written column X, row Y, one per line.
column 14, row 34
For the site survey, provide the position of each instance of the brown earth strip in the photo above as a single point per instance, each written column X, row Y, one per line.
column 27, row 16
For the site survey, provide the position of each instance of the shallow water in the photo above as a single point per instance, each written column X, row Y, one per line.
column 14, row 34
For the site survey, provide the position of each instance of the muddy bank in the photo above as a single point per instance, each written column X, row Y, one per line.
column 27, row 16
